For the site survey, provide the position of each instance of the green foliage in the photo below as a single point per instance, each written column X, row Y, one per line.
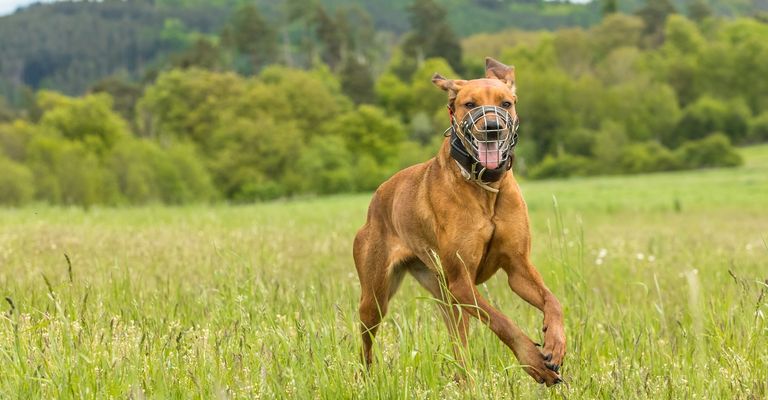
column 709, row 115
column 66, row 46
column 66, row 172
column 654, row 14
column 561, row 166
column 187, row 104
column 356, row 81
column 758, row 129
column 89, row 119
column 14, row 138
column 326, row 166
column 16, row 183
column 250, row 34
column 431, row 37
column 147, row 173
column 250, row 157
column 368, row 130
column 648, row 156
column 713, row 151
column 612, row 98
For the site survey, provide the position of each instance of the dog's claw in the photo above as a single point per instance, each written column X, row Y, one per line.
column 558, row 380
column 552, row 367
column 537, row 344
column 548, row 357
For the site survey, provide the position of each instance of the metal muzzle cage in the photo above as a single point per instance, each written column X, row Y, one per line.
column 488, row 134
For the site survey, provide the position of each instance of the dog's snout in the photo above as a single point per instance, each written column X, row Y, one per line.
column 492, row 124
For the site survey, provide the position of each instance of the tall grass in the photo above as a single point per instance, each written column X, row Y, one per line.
column 662, row 279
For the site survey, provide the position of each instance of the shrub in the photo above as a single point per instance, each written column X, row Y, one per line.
column 648, row 157
column 147, row 173
column 325, row 166
column 564, row 165
column 66, row 172
column 709, row 115
column 712, row 151
column 758, row 129
column 16, row 183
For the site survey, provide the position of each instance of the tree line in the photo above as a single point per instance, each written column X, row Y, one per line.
column 243, row 116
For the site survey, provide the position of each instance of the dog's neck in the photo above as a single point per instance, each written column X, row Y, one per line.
column 456, row 175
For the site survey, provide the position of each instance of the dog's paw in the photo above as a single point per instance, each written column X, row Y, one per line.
column 538, row 365
column 554, row 346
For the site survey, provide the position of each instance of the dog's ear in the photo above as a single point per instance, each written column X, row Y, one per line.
column 502, row 72
column 452, row 86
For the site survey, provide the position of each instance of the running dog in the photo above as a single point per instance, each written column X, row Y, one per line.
column 454, row 221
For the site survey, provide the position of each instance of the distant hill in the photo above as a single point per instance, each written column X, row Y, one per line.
column 68, row 45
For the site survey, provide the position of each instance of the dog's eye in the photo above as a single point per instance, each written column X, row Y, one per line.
column 506, row 104
column 470, row 104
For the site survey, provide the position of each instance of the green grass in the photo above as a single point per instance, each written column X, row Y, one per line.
column 662, row 279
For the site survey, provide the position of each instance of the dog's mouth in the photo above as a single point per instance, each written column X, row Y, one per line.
column 489, row 153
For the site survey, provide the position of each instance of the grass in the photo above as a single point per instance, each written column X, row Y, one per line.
column 662, row 278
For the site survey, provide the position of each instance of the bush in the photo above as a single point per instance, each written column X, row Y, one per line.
column 147, row 173
column 325, row 166
column 16, row 183
column 562, row 166
column 758, row 129
column 14, row 138
column 712, row 151
column 66, row 172
column 709, row 115
column 88, row 119
column 648, row 157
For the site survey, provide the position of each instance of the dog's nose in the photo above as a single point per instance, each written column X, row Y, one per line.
column 492, row 124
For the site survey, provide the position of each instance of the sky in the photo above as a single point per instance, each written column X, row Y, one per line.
column 9, row 6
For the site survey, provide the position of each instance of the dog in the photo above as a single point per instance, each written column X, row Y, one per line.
column 453, row 221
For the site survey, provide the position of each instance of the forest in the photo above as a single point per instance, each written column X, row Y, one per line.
column 136, row 102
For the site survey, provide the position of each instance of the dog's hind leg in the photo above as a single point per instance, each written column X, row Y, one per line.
column 379, row 279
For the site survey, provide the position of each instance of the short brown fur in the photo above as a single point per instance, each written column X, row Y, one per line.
column 430, row 207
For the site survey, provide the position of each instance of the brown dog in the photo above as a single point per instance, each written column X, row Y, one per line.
column 463, row 207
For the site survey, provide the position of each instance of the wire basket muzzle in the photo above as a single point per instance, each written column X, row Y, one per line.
column 489, row 134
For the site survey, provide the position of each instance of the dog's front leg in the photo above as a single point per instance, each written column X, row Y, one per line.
column 465, row 293
column 526, row 281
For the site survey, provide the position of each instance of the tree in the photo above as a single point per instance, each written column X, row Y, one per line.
column 124, row 94
column 89, row 120
column 250, row 34
column 204, row 53
column 654, row 14
column 430, row 36
column 356, row 80
column 699, row 10
column 609, row 7
column 331, row 36
column 16, row 183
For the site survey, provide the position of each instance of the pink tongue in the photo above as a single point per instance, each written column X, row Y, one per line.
column 489, row 154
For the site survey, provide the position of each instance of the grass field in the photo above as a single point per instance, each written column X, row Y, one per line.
column 662, row 278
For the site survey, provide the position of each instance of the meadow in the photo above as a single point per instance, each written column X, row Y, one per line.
column 663, row 279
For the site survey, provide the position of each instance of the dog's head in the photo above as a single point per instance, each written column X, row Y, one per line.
column 483, row 112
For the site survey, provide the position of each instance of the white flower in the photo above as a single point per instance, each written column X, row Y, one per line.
column 640, row 256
